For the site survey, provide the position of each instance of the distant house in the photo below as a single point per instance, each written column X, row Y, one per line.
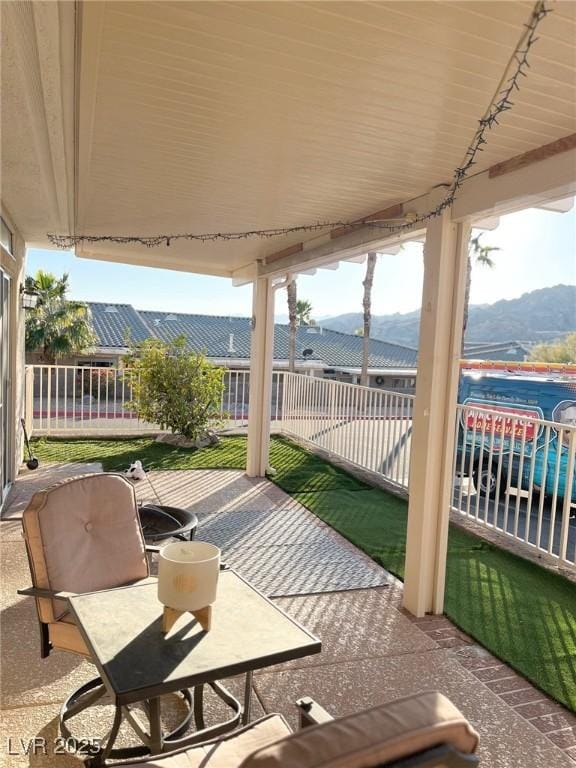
column 513, row 351
column 226, row 341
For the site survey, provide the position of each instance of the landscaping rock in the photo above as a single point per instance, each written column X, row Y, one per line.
column 210, row 438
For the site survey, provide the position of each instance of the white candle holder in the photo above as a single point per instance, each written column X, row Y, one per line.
column 188, row 581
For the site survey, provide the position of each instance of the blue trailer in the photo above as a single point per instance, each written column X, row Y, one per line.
column 500, row 435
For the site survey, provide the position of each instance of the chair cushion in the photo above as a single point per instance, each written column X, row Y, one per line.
column 374, row 737
column 84, row 535
column 65, row 636
column 228, row 752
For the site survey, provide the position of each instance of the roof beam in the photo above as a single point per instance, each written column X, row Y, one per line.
column 533, row 156
column 526, row 186
column 355, row 242
column 395, row 211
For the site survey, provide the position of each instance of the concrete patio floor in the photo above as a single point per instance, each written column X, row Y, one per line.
column 372, row 650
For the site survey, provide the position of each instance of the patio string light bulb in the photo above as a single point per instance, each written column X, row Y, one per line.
column 501, row 102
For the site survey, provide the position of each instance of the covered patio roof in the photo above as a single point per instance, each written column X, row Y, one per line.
column 140, row 118
column 149, row 119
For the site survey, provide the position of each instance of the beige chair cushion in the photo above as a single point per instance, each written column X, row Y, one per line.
column 84, row 535
column 229, row 752
column 380, row 735
column 64, row 635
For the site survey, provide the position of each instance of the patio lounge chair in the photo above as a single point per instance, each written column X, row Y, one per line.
column 421, row 731
column 83, row 535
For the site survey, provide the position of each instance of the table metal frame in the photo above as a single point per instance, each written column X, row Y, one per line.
column 154, row 740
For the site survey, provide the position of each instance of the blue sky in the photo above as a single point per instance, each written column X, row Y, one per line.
column 538, row 249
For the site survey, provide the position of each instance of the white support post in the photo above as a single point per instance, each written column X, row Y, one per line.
column 261, row 359
column 445, row 259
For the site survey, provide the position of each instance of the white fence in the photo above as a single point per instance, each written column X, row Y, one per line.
column 368, row 427
column 73, row 399
column 513, row 473
column 83, row 400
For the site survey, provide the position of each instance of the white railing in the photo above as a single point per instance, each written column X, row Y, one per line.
column 236, row 396
column 93, row 400
column 514, row 473
column 68, row 398
column 369, row 427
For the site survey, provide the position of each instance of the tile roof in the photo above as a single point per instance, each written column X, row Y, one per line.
column 229, row 337
column 205, row 333
column 505, row 350
column 114, row 324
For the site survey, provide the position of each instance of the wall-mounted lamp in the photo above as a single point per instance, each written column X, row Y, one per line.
column 28, row 297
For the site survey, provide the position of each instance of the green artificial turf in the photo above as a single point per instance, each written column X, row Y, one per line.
column 522, row 613
column 117, row 455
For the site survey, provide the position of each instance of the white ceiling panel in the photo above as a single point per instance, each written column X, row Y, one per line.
column 225, row 116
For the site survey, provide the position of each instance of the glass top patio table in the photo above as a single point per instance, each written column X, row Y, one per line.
column 122, row 629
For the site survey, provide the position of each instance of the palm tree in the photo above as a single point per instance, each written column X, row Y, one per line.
column 367, row 305
column 481, row 255
column 293, row 323
column 303, row 311
column 56, row 327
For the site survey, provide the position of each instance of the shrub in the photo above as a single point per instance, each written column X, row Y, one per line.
column 175, row 388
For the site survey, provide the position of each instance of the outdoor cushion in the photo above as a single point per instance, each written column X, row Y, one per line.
column 228, row 752
column 373, row 737
column 64, row 635
column 84, row 535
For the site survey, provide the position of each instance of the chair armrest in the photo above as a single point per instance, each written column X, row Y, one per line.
column 49, row 593
column 311, row 713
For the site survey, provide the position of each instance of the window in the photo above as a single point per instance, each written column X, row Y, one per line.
column 95, row 363
column 6, row 236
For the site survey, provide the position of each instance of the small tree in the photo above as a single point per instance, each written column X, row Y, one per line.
column 175, row 388
column 56, row 327
column 559, row 351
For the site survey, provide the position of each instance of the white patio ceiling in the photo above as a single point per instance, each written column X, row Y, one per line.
column 213, row 116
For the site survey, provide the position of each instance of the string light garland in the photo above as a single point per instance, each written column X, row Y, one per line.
column 500, row 102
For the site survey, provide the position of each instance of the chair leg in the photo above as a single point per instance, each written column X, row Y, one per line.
column 311, row 713
column 100, row 759
column 79, row 700
column 45, row 644
column 89, row 694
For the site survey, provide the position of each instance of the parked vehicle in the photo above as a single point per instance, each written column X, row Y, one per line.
column 517, row 431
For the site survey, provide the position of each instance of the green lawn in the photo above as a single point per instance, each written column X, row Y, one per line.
column 117, row 455
column 522, row 613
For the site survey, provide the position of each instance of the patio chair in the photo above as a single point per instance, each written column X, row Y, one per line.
column 424, row 730
column 83, row 535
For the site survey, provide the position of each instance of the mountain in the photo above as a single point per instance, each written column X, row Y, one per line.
column 536, row 316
